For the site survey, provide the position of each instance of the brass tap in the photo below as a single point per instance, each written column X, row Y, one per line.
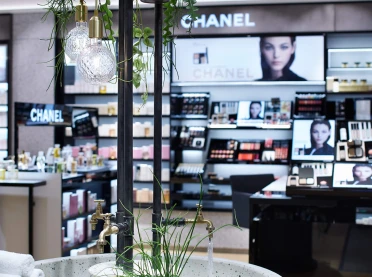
column 200, row 220
column 97, row 215
column 108, row 229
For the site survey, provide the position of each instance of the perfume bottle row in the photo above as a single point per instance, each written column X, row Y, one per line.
column 80, row 86
column 146, row 195
column 145, row 129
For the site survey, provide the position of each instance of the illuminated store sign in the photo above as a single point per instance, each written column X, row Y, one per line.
column 35, row 114
column 44, row 115
column 220, row 21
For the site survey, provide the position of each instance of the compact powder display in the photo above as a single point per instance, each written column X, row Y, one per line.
column 221, row 149
column 189, row 104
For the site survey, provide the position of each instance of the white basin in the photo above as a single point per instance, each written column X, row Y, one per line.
column 197, row 266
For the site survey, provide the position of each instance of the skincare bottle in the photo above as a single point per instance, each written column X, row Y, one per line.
column 40, row 162
column 336, row 85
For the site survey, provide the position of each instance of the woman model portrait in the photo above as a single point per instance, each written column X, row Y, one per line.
column 277, row 56
column 362, row 174
column 255, row 109
column 320, row 132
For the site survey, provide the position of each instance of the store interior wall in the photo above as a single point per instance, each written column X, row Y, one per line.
column 32, row 75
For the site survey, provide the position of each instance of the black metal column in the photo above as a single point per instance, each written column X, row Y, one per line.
column 125, row 133
column 156, row 216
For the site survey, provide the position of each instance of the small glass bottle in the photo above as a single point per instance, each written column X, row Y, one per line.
column 80, row 159
column 336, row 85
column 40, row 161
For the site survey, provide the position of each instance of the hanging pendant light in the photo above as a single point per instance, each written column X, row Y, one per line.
column 96, row 63
column 78, row 38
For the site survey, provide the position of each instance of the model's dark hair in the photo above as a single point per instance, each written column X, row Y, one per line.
column 360, row 165
column 250, row 105
column 317, row 122
column 266, row 71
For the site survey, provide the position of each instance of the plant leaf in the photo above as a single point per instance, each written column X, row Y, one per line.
column 148, row 42
column 147, row 31
column 137, row 33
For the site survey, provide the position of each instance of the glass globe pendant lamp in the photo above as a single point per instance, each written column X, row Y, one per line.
column 78, row 39
column 96, row 63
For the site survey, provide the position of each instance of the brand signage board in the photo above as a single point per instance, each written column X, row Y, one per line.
column 34, row 114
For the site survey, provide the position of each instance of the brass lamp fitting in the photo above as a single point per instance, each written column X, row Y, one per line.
column 81, row 13
column 95, row 26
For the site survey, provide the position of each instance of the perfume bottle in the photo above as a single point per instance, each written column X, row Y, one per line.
column 40, row 161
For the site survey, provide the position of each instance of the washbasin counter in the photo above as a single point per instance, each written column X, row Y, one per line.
column 196, row 266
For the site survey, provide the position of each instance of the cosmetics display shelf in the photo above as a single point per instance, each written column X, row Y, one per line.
column 247, row 162
column 90, row 94
column 350, row 92
column 142, row 160
column 349, row 68
column 196, row 196
column 148, row 182
column 108, row 137
column 78, row 215
column 191, row 117
column 67, row 249
column 177, row 180
column 134, row 116
column 275, row 128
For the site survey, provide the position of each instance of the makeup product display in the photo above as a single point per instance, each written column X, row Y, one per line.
column 276, row 151
column 334, row 84
column 223, row 150
column 277, row 114
column 310, row 105
column 184, row 137
column 223, row 114
column 313, row 140
column 359, row 130
column 189, row 105
column 250, row 151
column 188, row 170
column 352, row 150
column 352, row 175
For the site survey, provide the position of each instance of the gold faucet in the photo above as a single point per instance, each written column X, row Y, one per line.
column 200, row 219
column 108, row 228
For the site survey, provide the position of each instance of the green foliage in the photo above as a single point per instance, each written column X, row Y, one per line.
column 174, row 244
column 62, row 10
column 107, row 19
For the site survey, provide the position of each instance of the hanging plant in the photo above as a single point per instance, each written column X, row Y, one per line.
column 143, row 46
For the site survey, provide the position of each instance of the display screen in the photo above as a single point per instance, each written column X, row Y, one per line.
column 251, row 113
column 84, row 122
column 313, row 140
column 286, row 58
column 352, row 175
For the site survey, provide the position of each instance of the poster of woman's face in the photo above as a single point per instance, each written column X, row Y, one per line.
column 3, row 62
column 313, row 140
column 250, row 113
column 284, row 58
column 348, row 175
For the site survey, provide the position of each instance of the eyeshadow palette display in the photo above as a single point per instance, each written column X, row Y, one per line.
column 276, row 151
column 250, row 151
column 189, row 105
column 223, row 150
column 277, row 114
column 310, row 105
column 184, row 137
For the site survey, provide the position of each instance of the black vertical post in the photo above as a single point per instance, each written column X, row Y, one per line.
column 125, row 133
column 156, row 216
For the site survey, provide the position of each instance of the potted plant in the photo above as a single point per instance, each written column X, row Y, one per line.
column 177, row 235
